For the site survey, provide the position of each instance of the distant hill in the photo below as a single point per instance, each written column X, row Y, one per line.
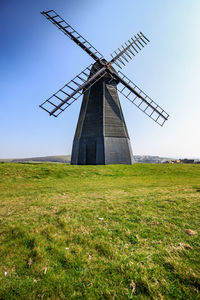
column 67, row 158
column 57, row 158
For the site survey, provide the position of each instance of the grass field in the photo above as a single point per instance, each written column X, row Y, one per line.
column 99, row 232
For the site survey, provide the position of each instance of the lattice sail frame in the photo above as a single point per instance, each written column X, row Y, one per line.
column 122, row 56
column 71, row 91
column 142, row 101
column 62, row 25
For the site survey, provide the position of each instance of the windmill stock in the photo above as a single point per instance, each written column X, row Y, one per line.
column 101, row 135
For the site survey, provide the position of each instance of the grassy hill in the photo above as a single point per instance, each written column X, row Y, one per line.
column 99, row 232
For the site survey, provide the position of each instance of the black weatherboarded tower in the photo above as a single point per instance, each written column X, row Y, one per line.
column 101, row 135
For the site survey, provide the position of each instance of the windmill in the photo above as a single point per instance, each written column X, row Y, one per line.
column 101, row 135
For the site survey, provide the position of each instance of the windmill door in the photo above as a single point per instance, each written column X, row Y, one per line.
column 91, row 153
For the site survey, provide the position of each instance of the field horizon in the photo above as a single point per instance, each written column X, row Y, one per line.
column 99, row 232
column 67, row 159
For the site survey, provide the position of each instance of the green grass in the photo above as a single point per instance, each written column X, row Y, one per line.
column 141, row 240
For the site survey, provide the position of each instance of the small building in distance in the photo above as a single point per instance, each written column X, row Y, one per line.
column 183, row 161
column 187, row 161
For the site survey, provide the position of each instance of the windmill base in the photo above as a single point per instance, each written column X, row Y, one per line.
column 101, row 151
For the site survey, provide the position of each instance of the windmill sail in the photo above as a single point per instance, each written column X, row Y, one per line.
column 139, row 98
column 122, row 56
column 71, row 91
column 59, row 22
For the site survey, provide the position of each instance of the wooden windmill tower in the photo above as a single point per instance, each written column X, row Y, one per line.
column 101, row 135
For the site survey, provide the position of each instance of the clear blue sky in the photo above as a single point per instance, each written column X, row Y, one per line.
column 36, row 59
